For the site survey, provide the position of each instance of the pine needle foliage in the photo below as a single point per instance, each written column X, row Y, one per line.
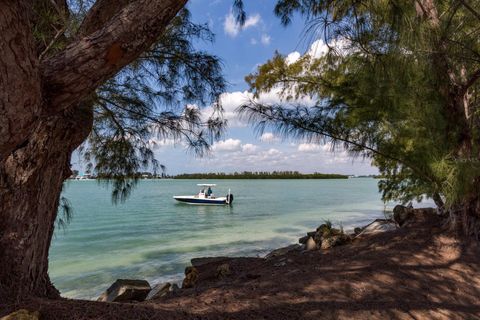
column 156, row 98
column 398, row 85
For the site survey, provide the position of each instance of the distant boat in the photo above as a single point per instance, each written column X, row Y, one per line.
column 206, row 197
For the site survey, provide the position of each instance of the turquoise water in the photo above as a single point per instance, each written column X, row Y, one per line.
column 152, row 237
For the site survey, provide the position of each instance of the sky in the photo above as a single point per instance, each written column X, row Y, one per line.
column 241, row 50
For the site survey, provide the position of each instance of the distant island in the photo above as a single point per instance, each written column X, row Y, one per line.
column 261, row 175
column 234, row 175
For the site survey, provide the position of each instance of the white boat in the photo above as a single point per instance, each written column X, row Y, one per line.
column 206, row 196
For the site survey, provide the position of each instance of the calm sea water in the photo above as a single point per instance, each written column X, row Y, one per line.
column 152, row 237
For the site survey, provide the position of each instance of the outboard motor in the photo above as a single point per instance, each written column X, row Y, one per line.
column 229, row 198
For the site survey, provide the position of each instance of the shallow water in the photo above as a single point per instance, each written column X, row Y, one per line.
column 152, row 237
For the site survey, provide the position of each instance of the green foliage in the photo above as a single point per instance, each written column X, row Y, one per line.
column 154, row 99
column 65, row 214
column 261, row 175
column 388, row 89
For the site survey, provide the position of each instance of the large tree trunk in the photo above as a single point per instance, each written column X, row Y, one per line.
column 42, row 121
column 465, row 215
column 30, row 184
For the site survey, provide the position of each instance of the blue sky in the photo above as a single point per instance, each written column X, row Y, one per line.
column 242, row 50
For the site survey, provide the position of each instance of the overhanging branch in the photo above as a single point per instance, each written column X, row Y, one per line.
column 78, row 70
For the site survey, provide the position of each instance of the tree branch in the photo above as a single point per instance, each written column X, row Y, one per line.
column 470, row 82
column 470, row 8
column 100, row 13
column 77, row 71
column 338, row 138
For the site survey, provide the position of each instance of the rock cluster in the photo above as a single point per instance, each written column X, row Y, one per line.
column 124, row 290
column 162, row 290
column 324, row 237
column 128, row 290
column 402, row 214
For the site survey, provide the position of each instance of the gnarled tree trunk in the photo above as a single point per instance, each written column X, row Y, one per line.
column 42, row 120
column 30, row 184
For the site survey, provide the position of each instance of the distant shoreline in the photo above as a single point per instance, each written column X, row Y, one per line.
column 246, row 175
column 262, row 175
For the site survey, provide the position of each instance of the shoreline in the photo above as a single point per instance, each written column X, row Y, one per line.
column 399, row 274
column 178, row 277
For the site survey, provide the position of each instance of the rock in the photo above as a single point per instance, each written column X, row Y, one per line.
column 197, row 262
column 223, row 270
column 318, row 238
column 283, row 251
column 377, row 226
column 402, row 214
column 325, row 231
column 304, row 239
column 191, row 277
column 280, row 264
column 126, row 290
column 321, row 228
column 310, row 245
column 174, row 288
column 333, row 241
column 311, row 234
column 159, row 290
column 357, row 230
column 22, row 314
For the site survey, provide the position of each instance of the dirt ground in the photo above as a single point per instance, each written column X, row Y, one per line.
column 417, row 272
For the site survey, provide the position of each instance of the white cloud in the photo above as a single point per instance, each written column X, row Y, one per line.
column 292, row 57
column 252, row 21
column 265, row 39
column 269, row 137
column 319, row 48
column 253, row 41
column 161, row 143
column 228, row 145
column 308, row 147
column 249, row 148
column 232, row 28
column 230, row 25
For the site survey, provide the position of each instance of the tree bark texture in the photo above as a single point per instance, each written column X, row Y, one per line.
column 44, row 118
column 20, row 86
column 31, row 180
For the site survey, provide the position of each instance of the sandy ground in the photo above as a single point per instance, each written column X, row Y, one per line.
column 417, row 272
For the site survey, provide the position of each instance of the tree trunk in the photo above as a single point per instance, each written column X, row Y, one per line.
column 465, row 216
column 30, row 184
column 20, row 86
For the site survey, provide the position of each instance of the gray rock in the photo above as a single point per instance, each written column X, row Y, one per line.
column 159, row 290
column 197, row 262
column 126, row 290
column 357, row 230
column 402, row 214
column 310, row 245
column 174, row 288
column 311, row 233
column 283, row 251
column 378, row 226
column 333, row 241
column 304, row 239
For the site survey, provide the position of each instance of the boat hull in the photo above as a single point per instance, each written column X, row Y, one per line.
column 200, row 201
